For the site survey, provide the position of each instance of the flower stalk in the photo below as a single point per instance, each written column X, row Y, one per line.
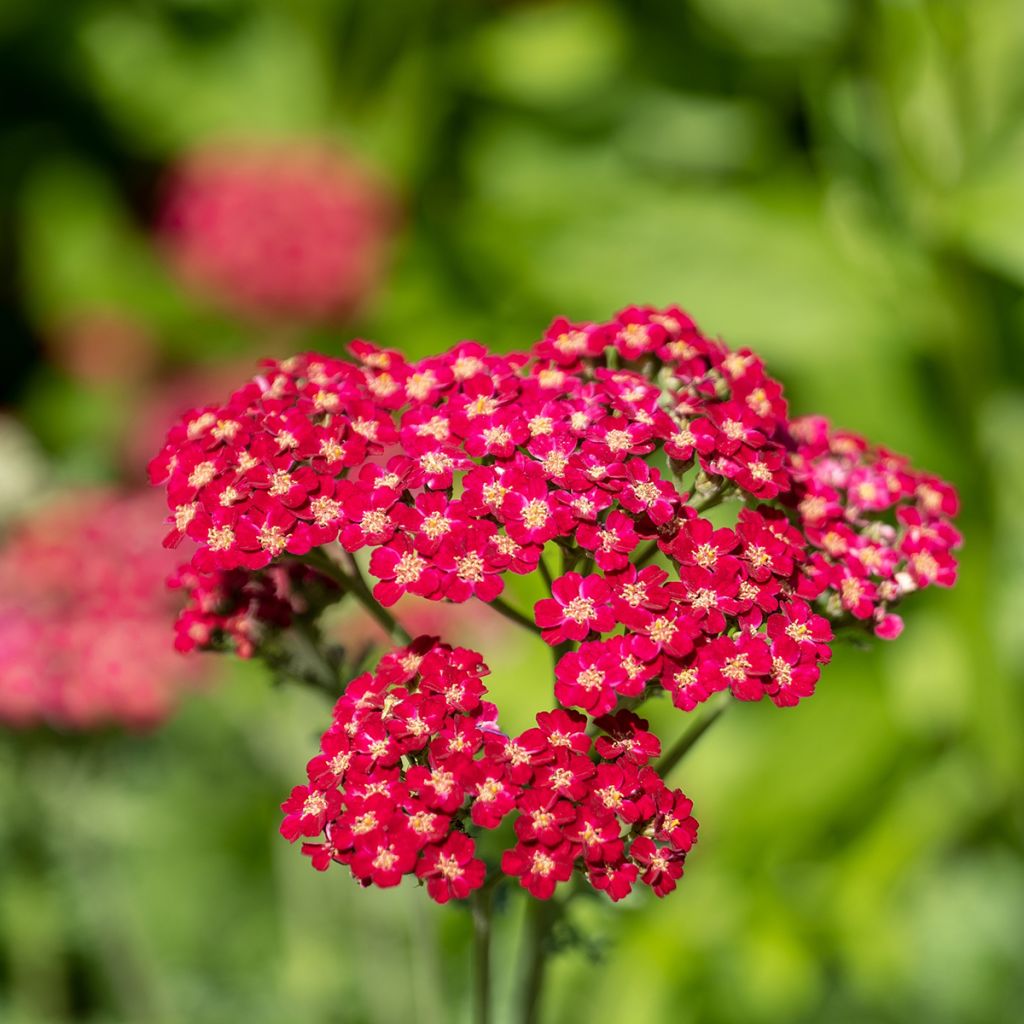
column 540, row 915
column 688, row 740
column 352, row 582
column 514, row 615
column 482, row 908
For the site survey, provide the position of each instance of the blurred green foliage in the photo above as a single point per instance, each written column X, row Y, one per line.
column 839, row 185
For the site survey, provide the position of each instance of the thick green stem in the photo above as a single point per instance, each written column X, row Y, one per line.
column 482, row 904
column 539, row 918
column 685, row 743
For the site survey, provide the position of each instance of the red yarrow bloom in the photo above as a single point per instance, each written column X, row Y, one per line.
column 660, row 867
column 307, row 810
column 578, row 606
column 589, row 678
column 401, row 569
column 740, row 663
column 450, row 869
column 539, row 868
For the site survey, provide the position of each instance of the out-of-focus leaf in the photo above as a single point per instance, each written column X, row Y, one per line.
column 547, row 55
column 985, row 215
column 791, row 29
column 169, row 92
column 585, row 234
column 80, row 251
column 993, row 43
column 922, row 103
column 703, row 134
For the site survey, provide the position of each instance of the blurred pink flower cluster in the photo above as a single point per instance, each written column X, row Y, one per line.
column 83, row 616
column 287, row 235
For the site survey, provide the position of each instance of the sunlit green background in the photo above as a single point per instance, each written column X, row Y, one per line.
column 839, row 185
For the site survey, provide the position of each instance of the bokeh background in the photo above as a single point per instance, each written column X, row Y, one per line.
column 839, row 185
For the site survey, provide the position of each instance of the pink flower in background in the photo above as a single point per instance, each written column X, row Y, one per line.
column 281, row 234
column 83, row 616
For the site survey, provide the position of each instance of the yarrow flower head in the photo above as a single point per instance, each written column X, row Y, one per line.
column 414, row 768
column 594, row 461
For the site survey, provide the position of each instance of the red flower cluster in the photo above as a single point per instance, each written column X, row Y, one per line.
column 603, row 447
column 414, row 765
column 876, row 528
column 606, row 813
column 83, row 617
column 293, row 235
column 235, row 610
column 460, row 468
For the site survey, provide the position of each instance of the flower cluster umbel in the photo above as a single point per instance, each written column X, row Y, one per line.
column 414, row 762
column 605, row 446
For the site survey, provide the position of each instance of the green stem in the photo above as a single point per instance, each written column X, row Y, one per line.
column 318, row 561
column 545, row 573
column 539, row 917
column 683, row 745
column 310, row 664
column 354, row 584
column 646, row 554
column 712, row 500
column 481, row 908
column 364, row 595
column 514, row 615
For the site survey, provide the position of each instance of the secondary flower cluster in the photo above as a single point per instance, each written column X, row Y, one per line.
column 83, row 616
column 876, row 529
column 414, row 766
column 280, row 234
column 236, row 610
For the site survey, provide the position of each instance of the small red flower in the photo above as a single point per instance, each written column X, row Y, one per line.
column 307, row 810
column 589, row 678
column 386, row 856
column 577, row 607
column 740, row 663
column 494, row 796
column 660, row 866
column 615, row 879
column 612, row 541
column 450, row 869
column 539, row 868
column 401, row 569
